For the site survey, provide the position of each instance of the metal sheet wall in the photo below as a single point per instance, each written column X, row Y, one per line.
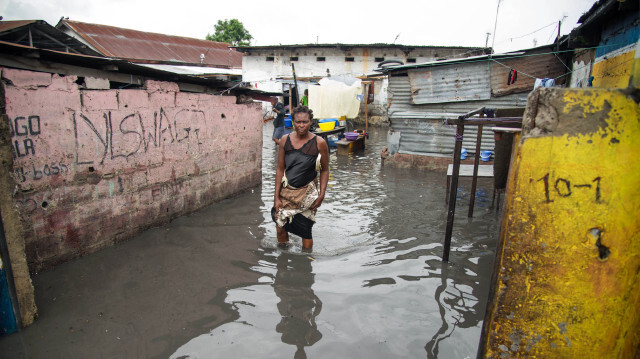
column 450, row 83
column 536, row 65
column 421, row 126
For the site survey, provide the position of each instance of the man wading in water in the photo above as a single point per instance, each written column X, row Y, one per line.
column 301, row 155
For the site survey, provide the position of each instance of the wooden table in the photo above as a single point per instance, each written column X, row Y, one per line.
column 345, row 147
column 337, row 130
column 467, row 171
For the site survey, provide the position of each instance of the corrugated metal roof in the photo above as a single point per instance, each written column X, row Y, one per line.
column 84, row 65
column 146, row 46
column 480, row 58
column 453, row 83
column 195, row 70
column 10, row 25
column 39, row 34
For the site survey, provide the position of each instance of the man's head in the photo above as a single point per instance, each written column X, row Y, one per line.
column 274, row 101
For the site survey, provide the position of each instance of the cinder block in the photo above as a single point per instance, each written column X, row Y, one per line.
column 99, row 100
column 26, row 79
column 95, row 83
column 133, row 99
column 161, row 86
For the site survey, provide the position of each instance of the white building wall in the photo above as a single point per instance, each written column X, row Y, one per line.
column 266, row 68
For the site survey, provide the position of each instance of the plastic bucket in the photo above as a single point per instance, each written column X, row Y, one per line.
column 485, row 155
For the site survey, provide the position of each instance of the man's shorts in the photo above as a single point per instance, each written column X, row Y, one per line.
column 278, row 132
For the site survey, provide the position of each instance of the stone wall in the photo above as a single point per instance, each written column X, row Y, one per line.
column 89, row 168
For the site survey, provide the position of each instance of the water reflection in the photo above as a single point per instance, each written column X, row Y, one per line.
column 385, row 292
column 457, row 303
column 299, row 305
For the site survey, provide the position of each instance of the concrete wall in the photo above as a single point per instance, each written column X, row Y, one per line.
column 264, row 67
column 566, row 282
column 94, row 167
column 256, row 68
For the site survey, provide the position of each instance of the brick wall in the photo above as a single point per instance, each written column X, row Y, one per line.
column 94, row 167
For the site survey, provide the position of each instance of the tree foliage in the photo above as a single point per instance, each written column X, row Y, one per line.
column 232, row 32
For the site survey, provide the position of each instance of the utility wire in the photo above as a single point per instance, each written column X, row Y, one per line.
column 533, row 32
column 495, row 26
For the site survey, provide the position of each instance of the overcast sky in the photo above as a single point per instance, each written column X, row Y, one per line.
column 521, row 24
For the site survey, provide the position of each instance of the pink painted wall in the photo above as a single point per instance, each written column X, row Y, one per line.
column 93, row 167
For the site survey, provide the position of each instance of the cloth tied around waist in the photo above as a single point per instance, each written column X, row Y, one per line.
column 296, row 200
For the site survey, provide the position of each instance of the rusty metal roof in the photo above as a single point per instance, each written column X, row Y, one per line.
column 116, row 70
column 139, row 46
column 10, row 25
column 39, row 34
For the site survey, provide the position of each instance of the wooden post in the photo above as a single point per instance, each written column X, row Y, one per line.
column 290, row 99
column 474, row 180
column 366, row 114
column 295, row 83
column 453, row 192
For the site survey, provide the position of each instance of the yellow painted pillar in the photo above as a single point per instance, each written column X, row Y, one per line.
column 567, row 274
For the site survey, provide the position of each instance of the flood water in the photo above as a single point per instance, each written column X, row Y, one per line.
column 215, row 285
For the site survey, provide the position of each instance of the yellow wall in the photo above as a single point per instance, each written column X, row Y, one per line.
column 558, row 292
column 613, row 72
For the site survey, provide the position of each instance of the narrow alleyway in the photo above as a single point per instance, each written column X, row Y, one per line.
column 213, row 284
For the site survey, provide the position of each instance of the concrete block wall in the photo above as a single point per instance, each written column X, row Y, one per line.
column 92, row 167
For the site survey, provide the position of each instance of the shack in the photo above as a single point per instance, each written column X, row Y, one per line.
column 271, row 68
column 422, row 96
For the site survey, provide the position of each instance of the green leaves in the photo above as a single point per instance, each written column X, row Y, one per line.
column 232, row 32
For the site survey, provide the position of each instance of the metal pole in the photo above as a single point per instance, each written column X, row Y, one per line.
column 453, row 192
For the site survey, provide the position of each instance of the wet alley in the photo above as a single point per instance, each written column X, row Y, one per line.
column 213, row 284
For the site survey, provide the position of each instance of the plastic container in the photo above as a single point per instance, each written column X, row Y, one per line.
column 335, row 120
column 287, row 121
column 463, row 154
column 327, row 126
column 331, row 140
column 485, row 155
column 351, row 136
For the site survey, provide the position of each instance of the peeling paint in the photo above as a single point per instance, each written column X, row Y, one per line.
column 570, row 242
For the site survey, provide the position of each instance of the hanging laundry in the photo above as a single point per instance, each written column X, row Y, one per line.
column 513, row 76
column 545, row 82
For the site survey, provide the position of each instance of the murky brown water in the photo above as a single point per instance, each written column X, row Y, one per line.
column 213, row 284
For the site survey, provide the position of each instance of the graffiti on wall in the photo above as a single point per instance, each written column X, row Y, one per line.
column 24, row 131
column 113, row 135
